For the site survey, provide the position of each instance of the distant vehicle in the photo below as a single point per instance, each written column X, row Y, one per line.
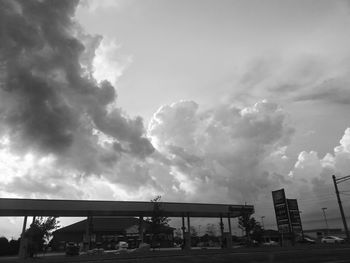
column 270, row 243
column 306, row 240
column 332, row 240
column 122, row 245
column 72, row 249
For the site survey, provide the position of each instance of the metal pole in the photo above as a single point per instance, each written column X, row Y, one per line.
column 229, row 238
column 302, row 229
column 262, row 222
column 24, row 226
column 325, row 218
column 183, row 232
column 188, row 224
column 141, row 229
column 341, row 209
column 22, row 252
column 222, row 232
column 229, row 225
column 189, row 232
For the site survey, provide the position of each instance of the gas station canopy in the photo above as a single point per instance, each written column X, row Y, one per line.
column 79, row 208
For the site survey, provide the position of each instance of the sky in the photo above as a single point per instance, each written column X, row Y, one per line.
column 196, row 101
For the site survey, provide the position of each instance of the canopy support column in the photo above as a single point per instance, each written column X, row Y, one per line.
column 141, row 229
column 22, row 253
column 183, row 233
column 188, row 233
column 222, row 232
column 229, row 237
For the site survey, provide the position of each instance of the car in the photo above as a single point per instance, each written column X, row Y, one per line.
column 72, row 249
column 122, row 245
column 306, row 240
column 332, row 240
column 270, row 243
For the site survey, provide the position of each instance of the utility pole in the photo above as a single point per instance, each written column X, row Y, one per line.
column 325, row 218
column 302, row 230
column 336, row 182
column 262, row 222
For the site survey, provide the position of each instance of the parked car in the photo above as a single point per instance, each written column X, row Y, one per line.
column 122, row 245
column 72, row 249
column 332, row 240
column 270, row 243
column 306, row 240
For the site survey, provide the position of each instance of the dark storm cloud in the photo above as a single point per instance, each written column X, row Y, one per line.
column 332, row 90
column 48, row 97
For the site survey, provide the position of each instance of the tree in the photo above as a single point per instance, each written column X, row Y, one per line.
column 4, row 246
column 194, row 232
column 257, row 233
column 251, row 227
column 39, row 233
column 194, row 236
column 158, row 221
column 178, row 236
column 14, row 246
column 211, row 230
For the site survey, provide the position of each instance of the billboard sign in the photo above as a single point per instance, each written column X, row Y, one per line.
column 281, row 211
column 294, row 215
column 279, row 197
column 287, row 213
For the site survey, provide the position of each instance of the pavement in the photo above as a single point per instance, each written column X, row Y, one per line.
column 300, row 254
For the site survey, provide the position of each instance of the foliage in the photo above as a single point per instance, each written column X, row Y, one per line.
column 211, row 230
column 4, row 246
column 47, row 226
column 257, row 233
column 178, row 233
column 8, row 247
column 40, row 232
column 178, row 236
column 193, row 231
column 252, row 228
column 158, row 221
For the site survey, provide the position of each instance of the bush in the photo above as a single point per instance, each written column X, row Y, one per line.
column 4, row 246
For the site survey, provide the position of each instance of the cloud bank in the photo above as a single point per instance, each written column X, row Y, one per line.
column 50, row 103
column 64, row 136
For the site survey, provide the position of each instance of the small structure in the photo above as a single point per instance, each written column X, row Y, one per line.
column 107, row 232
column 322, row 232
column 271, row 235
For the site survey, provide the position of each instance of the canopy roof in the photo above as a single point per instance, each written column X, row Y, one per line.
column 76, row 208
column 108, row 224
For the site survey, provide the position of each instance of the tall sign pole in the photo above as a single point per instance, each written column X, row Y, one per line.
column 336, row 181
column 287, row 215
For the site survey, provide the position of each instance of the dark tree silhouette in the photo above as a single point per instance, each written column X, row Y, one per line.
column 252, row 228
column 158, row 221
column 4, row 246
column 39, row 233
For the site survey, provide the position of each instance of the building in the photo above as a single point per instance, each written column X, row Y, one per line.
column 269, row 235
column 322, row 232
column 106, row 232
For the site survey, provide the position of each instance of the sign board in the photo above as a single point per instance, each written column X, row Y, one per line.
column 279, row 197
column 287, row 213
column 294, row 215
column 281, row 211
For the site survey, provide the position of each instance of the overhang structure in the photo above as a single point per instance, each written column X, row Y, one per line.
column 90, row 209
column 79, row 208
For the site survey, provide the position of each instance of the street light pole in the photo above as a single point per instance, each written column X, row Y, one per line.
column 336, row 182
column 325, row 218
column 262, row 222
column 302, row 229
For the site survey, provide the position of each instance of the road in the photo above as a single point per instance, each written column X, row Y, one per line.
column 309, row 254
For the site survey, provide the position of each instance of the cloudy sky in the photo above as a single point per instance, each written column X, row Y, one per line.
column 196, row 101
